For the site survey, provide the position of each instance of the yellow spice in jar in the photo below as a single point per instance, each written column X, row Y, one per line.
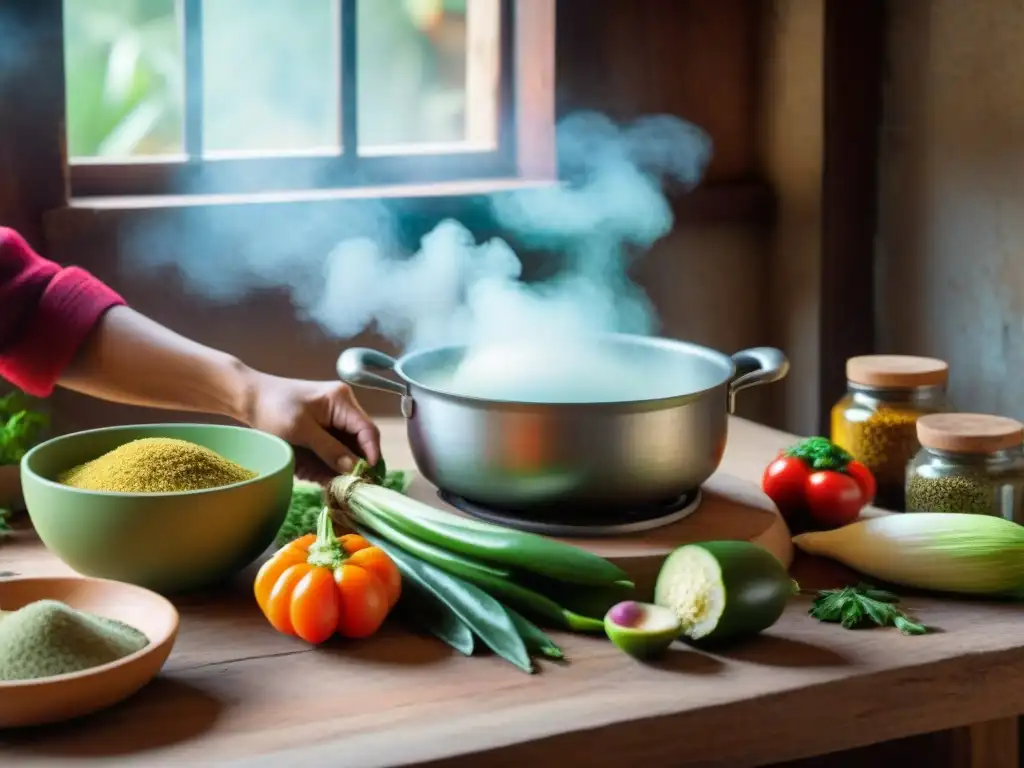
column 156, row 465
column 884, row 442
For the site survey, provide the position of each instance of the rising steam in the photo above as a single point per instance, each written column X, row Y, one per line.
column 454, row 289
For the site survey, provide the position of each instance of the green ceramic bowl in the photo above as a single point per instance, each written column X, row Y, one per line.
column 166, row 542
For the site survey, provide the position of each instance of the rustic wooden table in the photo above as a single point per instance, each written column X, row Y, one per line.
column 236, row 692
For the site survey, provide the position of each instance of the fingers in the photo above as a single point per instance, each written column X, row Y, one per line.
column 330, row 451
column 355, row 421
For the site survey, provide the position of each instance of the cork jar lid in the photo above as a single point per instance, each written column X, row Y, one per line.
column 897, row 371
column 969, row 432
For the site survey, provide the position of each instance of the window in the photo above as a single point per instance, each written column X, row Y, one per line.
column 242, row 96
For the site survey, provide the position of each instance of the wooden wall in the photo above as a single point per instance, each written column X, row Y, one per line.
column 951, row 237
column 692, row 58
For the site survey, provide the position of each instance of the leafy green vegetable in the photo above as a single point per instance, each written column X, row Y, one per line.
column 820, row 453
column 422, row 609
column 495, row 582
column 309, row 498
column 537, row 641
column 484, row 615
column 20, row 429
column 479, row 540
column 378, row 472
column 397, row 480
column 863, row 606
column 303, row 509
column 20, row 426
column 453, row 562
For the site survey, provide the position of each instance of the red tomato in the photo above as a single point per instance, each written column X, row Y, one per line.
column 865, row 479
column 833, row 498
column 784, row 482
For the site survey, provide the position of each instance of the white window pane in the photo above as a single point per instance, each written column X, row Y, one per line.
column 428, row 73
column 271, row 75
column 124, row 70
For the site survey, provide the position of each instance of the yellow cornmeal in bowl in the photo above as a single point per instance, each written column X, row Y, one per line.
column 156, row 465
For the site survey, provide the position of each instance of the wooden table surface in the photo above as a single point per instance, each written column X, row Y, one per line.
column 236, row 692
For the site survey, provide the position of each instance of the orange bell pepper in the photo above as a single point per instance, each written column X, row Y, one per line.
column 323, row 584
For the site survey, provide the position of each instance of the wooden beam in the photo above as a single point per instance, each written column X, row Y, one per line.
column 853, row 79
column 534, row 73
column 33, row 175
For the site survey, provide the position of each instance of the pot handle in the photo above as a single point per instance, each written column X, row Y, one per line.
column 356, row 365
column 771, row 365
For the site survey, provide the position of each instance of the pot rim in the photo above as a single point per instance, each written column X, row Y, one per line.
column 727, row 363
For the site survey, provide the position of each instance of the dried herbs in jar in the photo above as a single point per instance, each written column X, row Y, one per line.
column 970, row 463
column 876, row 420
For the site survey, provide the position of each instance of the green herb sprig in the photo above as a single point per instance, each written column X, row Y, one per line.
column 308, row 499
column 820, row 453
column 863, row 606
column 20, row 427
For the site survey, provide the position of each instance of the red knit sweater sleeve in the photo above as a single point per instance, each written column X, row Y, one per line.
column 46, row 312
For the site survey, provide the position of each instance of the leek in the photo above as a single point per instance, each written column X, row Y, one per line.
column 938, row 551
column 475, row 539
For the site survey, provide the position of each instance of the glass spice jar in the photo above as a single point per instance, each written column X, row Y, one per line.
column 876, row 420
column 970, row 463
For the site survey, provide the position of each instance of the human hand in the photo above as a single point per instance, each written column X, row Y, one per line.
column 322, row 419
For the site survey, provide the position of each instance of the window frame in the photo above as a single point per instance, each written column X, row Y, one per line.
column 36, row 199
column 524, row 147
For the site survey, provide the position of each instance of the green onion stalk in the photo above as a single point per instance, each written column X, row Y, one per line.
column 466, row 574
column 556, row 560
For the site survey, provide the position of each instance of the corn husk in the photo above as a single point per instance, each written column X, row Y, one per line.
column 960, row 553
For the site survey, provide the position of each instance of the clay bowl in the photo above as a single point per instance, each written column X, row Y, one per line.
column 54, row 699
column 167, row 542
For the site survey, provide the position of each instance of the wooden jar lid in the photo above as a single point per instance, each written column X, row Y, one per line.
column 897, row 371
column 969, row 432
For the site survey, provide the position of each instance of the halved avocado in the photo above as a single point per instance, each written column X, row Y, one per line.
column 722, row 590
column 640, row 629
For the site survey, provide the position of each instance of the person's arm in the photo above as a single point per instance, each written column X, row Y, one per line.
column 61, row 325
column 129, row 358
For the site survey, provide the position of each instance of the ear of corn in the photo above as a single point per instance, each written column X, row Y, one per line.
column 945, row 552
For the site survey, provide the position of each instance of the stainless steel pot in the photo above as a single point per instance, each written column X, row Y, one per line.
column 528, row 456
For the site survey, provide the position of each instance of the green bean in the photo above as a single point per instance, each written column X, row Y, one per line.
column 442, row 558
column 484, row 615
column 475, row 539
column 536, row 640
column 534, row 603
column 496, row 585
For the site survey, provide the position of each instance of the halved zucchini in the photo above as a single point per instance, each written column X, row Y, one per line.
column 721, row 590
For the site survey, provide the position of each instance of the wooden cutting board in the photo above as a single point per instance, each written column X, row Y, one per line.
column 730, row 509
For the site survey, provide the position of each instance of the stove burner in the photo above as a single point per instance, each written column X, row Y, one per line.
column 580, row 521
